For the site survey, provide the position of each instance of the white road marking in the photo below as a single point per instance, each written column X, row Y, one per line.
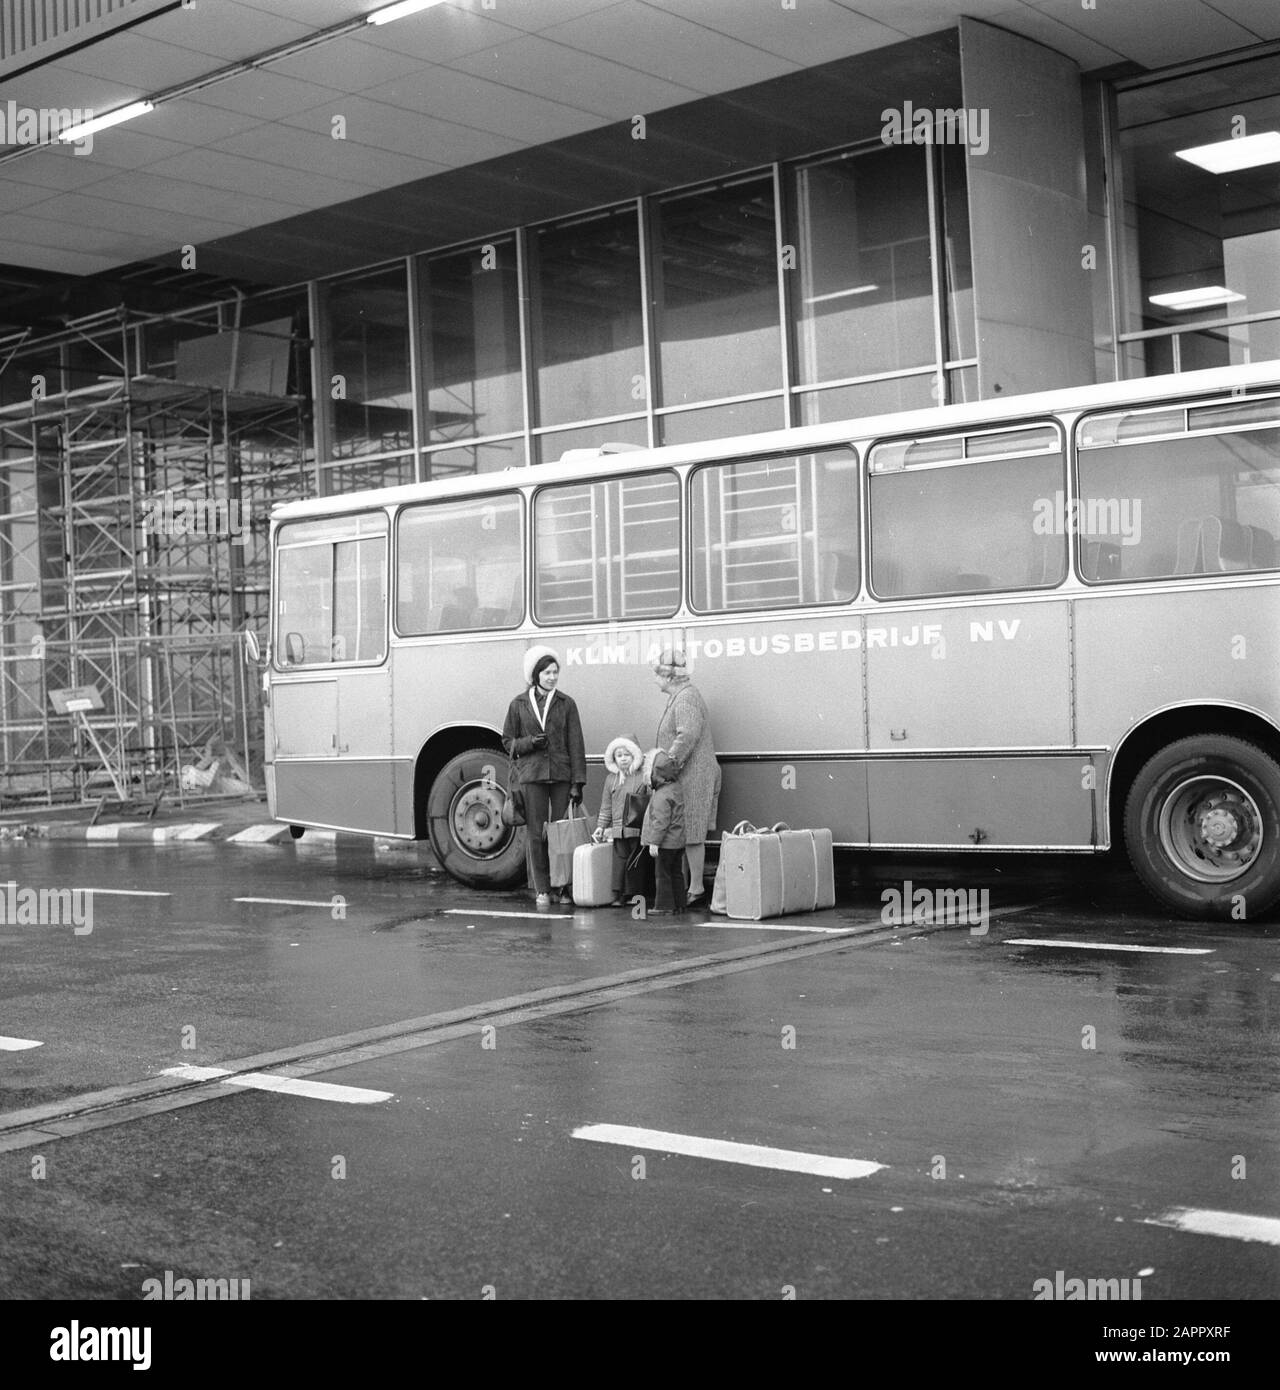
column 1112, row 946
column 18, row 1044
column 286, row 902
column 128, row 892
column 286, row 1085
column 733, row 924
column 488, row 912
column 726, row 1151
column 1233, row 1224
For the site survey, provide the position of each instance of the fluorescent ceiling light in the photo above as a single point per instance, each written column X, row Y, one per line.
column 125, row 113
column 840, row 294
column 1227, row 155
column 1200, row 298
column 390, row 12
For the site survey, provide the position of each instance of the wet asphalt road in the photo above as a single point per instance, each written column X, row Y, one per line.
column 1033, row 1108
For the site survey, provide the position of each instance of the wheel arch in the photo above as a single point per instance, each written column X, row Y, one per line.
column 1168, row 725
column 445, row 743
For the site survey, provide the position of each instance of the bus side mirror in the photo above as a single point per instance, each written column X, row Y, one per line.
column 252, row 652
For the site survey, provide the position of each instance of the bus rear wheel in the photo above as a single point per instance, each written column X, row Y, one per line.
column 1202, row 827
column 464, row 821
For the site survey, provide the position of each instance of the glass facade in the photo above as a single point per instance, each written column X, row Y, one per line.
column 809, row 291
column 1199, row 218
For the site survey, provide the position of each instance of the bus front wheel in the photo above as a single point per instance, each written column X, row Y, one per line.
column 1202, row 827
column 464, row 821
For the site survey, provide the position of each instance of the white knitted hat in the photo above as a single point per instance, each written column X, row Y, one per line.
column 533, row 656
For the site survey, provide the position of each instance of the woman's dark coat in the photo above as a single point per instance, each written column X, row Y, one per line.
column 564, row 759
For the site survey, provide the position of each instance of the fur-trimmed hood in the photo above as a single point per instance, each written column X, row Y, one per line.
column 637, row 757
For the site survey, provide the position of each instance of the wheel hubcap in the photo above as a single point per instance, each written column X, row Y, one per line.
column 1211, row 828
column 476, row 819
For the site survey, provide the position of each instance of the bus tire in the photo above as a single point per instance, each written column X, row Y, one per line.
column 464, row 821
column 1202, row 827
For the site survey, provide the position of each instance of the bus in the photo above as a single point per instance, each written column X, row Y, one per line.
column 1043, row 624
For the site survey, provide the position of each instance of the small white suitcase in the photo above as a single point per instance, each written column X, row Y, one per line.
column 593, row 875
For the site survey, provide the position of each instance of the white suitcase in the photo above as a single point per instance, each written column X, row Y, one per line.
column 593, row 875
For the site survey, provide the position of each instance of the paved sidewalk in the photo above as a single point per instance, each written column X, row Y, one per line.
column 241, row 821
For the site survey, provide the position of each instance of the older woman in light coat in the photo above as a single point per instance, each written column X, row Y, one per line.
column 684, row 733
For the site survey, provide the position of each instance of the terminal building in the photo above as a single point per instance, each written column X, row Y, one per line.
column 259, row 250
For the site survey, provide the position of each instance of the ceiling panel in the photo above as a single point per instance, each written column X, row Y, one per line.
column 912, row 18
column 54, row 85
column 130, row 57
column 38, row 255
column 162, row 229
column 235, row 174
column 190, row 121
column 130, row 146
column 1262, row 17
column 472, row 101
column 59, row 167
column 535, row 15
column 143, row 191
column 442, row 34
column 317, row 152
column 816, row 31
column 377, row 125
column 1152, row 32
column 227, row 30
column 317, row 13
column 1087, row 51
column 347, row 64
column 533, row 64
column 14, row 196
column 269, row 96
column 665, row 43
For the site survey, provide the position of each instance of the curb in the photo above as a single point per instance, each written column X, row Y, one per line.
column 262, row 833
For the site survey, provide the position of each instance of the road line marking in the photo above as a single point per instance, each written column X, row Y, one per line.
column 286, row 902
column 127, row 892
column 489, row 912
column 1234, row 1224
column 134, row 1100
column 286, row 1085
column 734, row 925
column 1112, row 946
column 727, row 1151
column 18, row 1044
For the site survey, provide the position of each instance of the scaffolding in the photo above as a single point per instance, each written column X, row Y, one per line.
column 134, row 516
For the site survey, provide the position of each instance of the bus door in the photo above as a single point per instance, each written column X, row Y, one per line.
column 969, row 697
column 331, row 703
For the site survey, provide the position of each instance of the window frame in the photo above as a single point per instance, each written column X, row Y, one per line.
column 1065, row 478
column 472, row 498
column 769, row 456
column 1186, row 406
column 620, row 478
column 348, row 532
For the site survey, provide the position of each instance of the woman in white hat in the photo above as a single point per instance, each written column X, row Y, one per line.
column 684, row 734
column 543, row 737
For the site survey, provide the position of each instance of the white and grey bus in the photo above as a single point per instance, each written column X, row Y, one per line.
column 1044, row 624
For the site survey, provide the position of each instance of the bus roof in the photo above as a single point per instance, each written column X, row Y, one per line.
column 999, row 410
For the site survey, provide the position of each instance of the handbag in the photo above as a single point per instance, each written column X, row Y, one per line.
column 633, row 809
column 513, row 812
column 719, row 890
column 563, row 837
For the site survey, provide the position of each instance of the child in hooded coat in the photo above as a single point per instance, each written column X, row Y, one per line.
column 626, row 778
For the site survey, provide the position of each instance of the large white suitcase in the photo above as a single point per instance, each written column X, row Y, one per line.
column 593, row 874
